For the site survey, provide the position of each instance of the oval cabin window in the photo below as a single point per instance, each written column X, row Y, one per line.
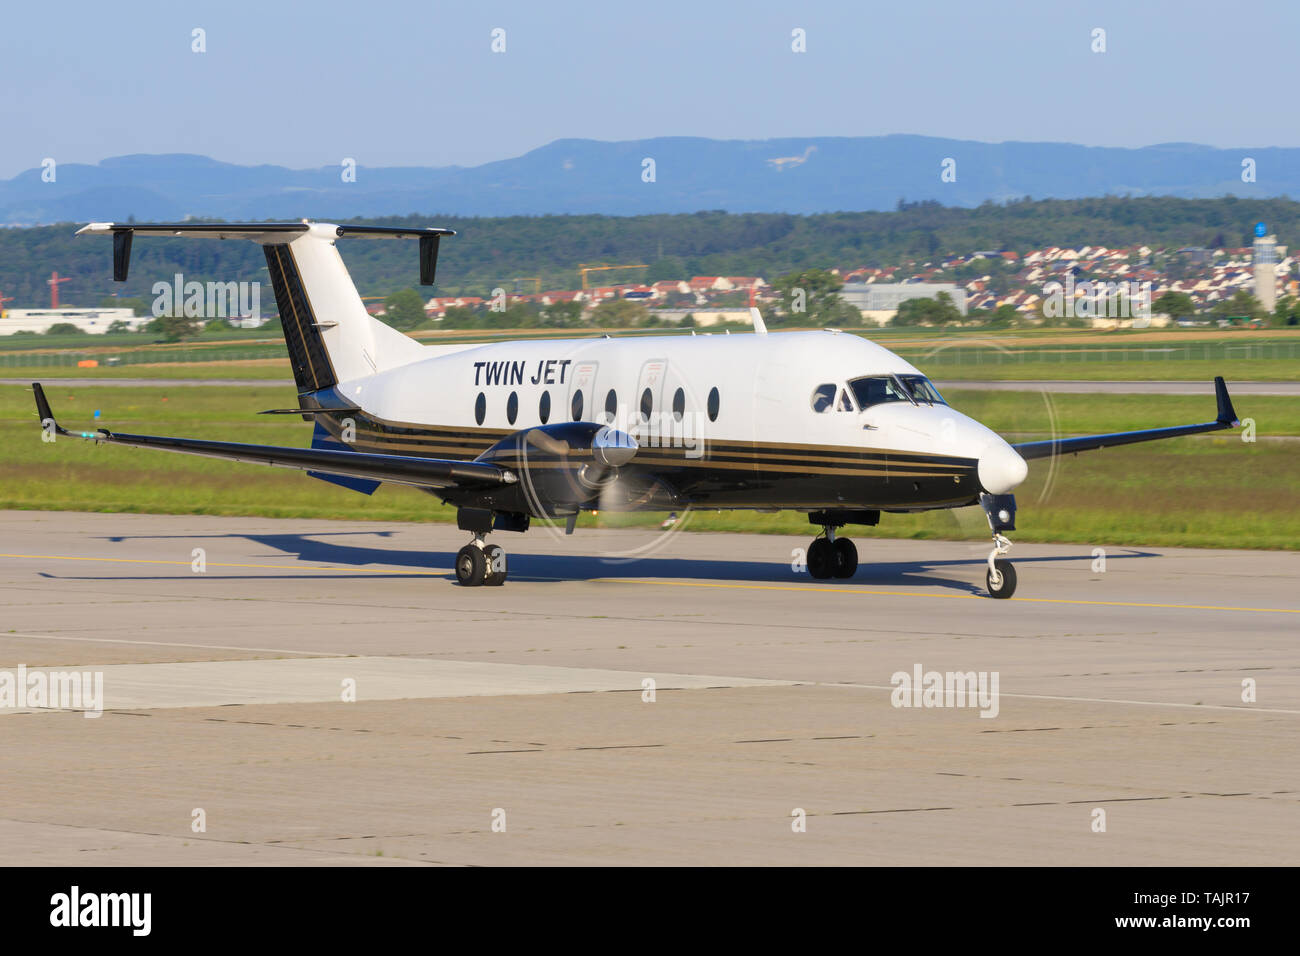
column 715, row 402
column 679, row 404
column 544, row 407
column 577, row 406
column 611, row 406
column 480, row 408
column 512, row 407
column 647, row 405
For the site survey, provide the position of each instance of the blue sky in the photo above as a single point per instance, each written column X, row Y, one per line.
column 415, row 83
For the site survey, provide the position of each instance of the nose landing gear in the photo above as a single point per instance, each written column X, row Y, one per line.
column 1001, row 575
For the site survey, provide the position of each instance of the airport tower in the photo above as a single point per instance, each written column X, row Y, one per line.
column 1265, row 262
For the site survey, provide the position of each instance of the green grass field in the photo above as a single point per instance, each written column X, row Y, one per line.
column 970, row 355
column 270, row 371
column 1205, row 491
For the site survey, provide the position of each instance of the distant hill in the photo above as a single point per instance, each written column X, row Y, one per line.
column 575, row 176
column 492, row 251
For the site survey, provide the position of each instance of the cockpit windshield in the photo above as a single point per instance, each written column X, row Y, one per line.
column 877, row 390
column 880, row 389
column 922, row 389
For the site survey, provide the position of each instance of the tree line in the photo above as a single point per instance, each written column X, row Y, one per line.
column 492, row 253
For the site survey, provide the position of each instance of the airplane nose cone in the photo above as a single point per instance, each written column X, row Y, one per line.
column 1001, row 468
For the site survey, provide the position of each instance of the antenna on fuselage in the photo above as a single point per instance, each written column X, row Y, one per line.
column 760, row 327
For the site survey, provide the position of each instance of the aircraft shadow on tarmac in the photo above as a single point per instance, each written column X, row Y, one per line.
column 563, row 567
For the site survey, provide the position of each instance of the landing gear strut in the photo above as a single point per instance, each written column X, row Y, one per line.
column 1001, row 575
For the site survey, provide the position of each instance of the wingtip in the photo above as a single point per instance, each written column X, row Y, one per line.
column 1227, row 414
column 42, row 403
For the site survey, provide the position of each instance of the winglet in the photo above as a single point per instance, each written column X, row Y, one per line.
column 43, row 410
column 1227, row 414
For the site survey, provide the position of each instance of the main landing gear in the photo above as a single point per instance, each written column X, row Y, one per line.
column 832, row 557
column 478, row 563
column 1001, row 575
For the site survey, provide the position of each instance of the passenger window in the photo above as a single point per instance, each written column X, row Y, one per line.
column 679, row 404
column 611, row 406
column 480, row 408
column 715, row 403
column 822, row 397
column 647, row 405
column 512, row 407
column 544, row 407
column 577, row 406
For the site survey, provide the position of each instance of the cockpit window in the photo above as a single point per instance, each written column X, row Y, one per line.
column 877, row 390
column 822, row 397
column 922, row 389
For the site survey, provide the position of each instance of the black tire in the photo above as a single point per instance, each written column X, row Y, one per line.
column 1007, row 586
column 846, row 558
column 494, row 557
column 821, row 558
column 471, row 565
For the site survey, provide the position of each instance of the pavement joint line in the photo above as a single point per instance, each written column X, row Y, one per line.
column 1084, row 700
column 954, row 597
column 205, row 647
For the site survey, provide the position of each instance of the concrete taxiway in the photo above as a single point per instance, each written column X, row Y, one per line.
column 325, row 694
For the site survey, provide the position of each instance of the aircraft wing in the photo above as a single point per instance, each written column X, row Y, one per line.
column 421, row 472
column 1227, row 418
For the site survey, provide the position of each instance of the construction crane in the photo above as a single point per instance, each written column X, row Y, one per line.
column 535, row 280
column 53, row 282
column 584, row 269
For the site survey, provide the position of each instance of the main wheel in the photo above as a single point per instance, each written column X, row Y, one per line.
column 495, row 558
column 846, row 558
column 471, row 565
column 821, row 558
column 1002, row 582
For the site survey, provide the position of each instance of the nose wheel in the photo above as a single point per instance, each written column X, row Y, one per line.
column 832, row 557
column 1001, row 575
column 479, row 564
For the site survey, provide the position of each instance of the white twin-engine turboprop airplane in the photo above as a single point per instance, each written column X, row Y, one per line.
column 821, row 422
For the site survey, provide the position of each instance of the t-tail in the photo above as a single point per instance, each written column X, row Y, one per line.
column 330, row 337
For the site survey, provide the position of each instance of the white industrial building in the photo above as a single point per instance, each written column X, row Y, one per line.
column 888, row 296
column 95, row 321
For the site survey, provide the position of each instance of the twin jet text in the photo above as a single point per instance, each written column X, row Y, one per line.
column 514, row 373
